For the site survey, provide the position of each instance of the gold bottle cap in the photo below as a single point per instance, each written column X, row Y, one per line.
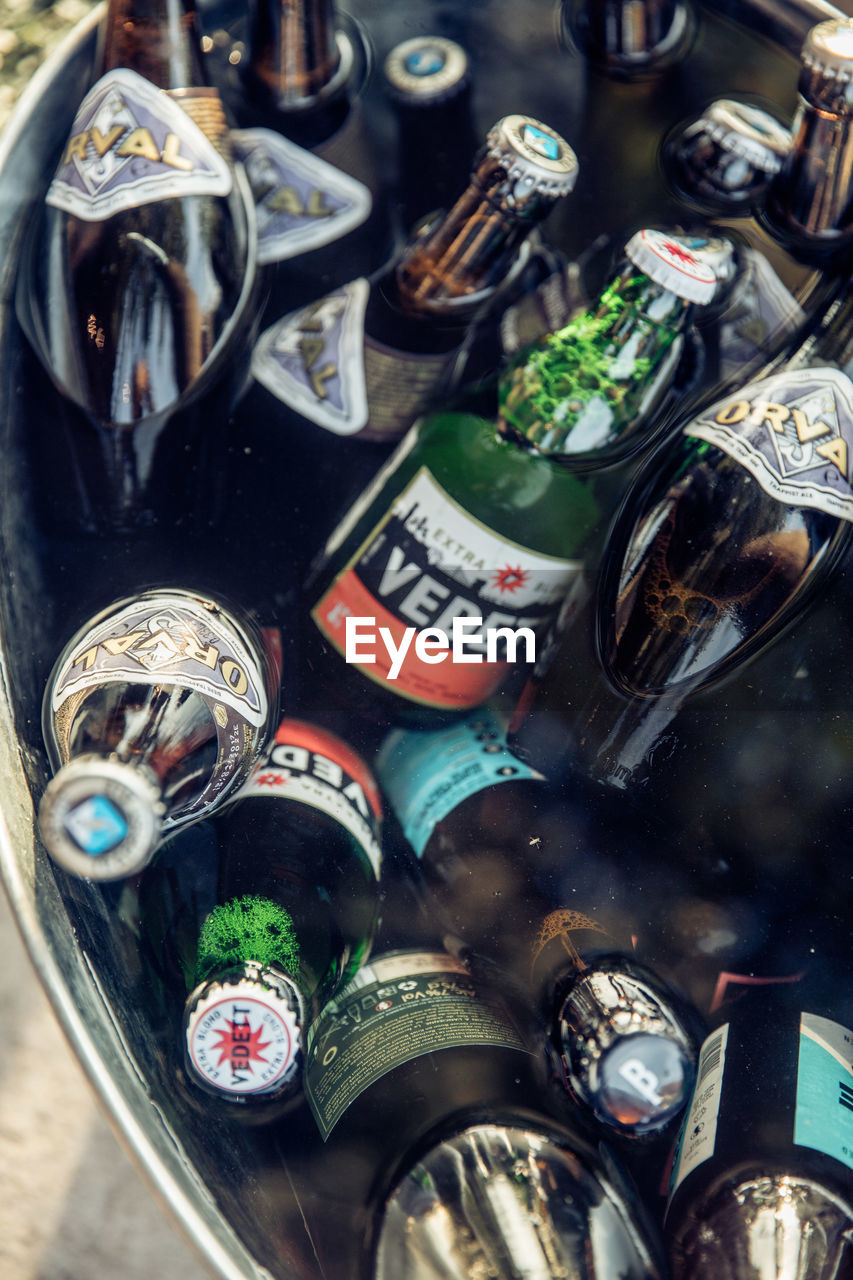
column 533, row 155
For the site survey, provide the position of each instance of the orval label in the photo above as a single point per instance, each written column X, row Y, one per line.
column 132, row 144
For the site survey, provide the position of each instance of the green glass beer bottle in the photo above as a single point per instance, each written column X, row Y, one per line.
column 267, row 920
column 481, row 519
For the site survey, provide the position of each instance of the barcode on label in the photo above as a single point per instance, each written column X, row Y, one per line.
column 710, row 1057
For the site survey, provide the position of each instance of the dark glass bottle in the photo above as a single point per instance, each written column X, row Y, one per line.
column 154, row 713
column 762, row 1182
column 278, row 914
column 515, row 874
column 783, row 195
column 729, row 530
column 412, row 1071
column 428, row 82
column 293, row 79
column 137, row 280
column 628, row 38
column 370, row 357
column 477, row 518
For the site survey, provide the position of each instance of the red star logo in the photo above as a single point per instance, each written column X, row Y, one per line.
column 271, row 780
column 510, row 579
column 240, row 1034
column 680, row 254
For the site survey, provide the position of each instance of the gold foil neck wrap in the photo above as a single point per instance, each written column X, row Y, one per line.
column 204, row 106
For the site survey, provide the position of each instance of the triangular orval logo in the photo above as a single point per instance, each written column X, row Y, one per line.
column 313, row 360
column 132, row 144
column 301, row 201
column 795, row 447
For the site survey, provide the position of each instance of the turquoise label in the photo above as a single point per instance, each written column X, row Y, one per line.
column 824, row 1108
column 425, row 775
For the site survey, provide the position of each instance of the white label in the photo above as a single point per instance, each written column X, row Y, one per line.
column 793, row 432
column 153, row 640
column 131, row 144
column 301, row 201
column 699, row 1134
column 313, row 360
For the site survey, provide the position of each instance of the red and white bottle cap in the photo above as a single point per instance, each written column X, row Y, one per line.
column 669, row 262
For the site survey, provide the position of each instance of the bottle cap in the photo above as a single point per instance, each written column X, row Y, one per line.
column 764, row 1217
column 100, row 818
column 533, row 155
column 718, row 252
column 426, row 70
column 626, row 1052
column 243, row 1032
column 667, row 260
column 505, row 1200
column 827, row 66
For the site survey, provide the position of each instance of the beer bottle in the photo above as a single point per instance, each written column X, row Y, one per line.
column 293, row 77
column 413, row 1070
column 783, row 195
column 628, row 38
column 729, row 530
column 154, row 713
column 761, row 1183
column 488, row 520
column 428, row 82
column 368, row 358
column 276, row 913
column 137, row 280
column 518, row 879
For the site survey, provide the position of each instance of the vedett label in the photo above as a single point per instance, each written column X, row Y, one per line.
column 426, row 567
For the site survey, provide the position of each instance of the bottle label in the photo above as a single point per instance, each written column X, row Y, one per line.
column 313, row 360
column 793, row 433
column 426, row 563
column 426, row 775
column 309, row 766
column 761, row 316
column 301, row 202
column 398, row 1008
column 321, row 363
column 699, row 1132
column 823, row 1119
column 152, row 641
column 132, row 144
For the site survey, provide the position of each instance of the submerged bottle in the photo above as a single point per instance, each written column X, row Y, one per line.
column 428, row 82
column 137, row 280
column 270, row 921
column 627, row 38
column 294, row 88
column 516, row 876
column 762, row 1182
column 432, row 1122
column 370, row 357
column 475, row 520
column 782, row 194
column 154, row 713
column 730, row 528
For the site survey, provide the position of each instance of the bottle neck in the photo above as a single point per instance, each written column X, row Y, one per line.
column 156, row 38
column 464, row 255
column 810, row 197
column 293, row 51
